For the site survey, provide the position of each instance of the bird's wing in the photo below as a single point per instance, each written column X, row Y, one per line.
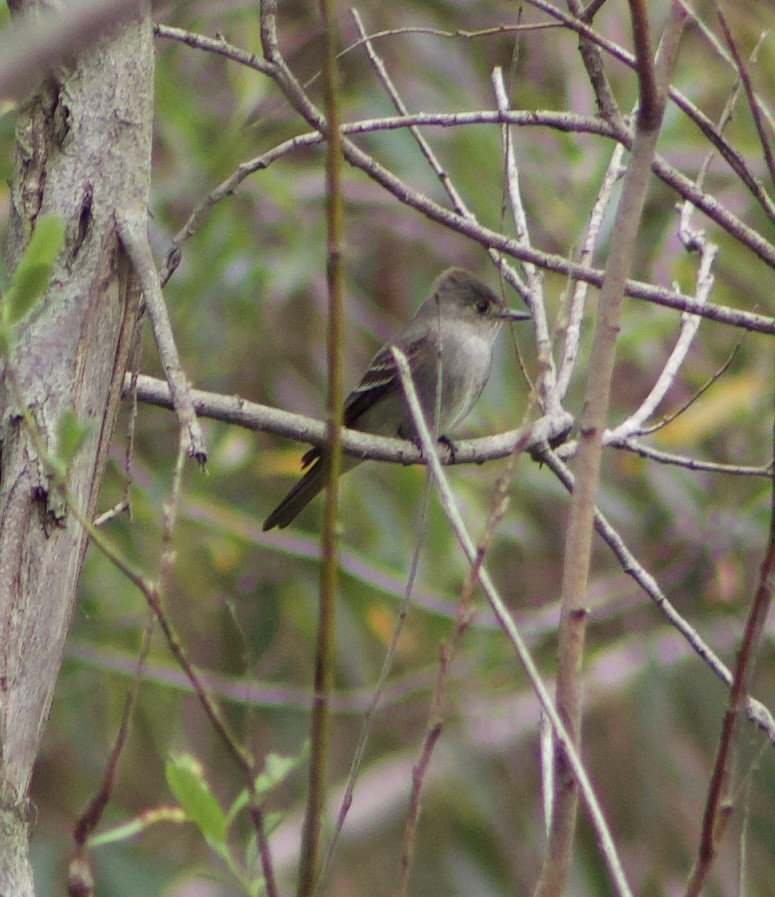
column 380, row 379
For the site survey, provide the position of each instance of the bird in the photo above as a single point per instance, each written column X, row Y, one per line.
column 448, row 342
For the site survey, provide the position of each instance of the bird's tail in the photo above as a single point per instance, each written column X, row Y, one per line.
column 313, row 481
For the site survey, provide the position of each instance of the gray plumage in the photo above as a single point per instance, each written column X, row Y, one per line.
column 448, row 341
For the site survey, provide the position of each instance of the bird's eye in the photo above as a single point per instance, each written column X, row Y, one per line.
column 482, row 305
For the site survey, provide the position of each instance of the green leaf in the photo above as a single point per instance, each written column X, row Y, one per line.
column 33, row 272
column 128, row 830
column 119, row 833
column 186, row 780
column 277, row 768
column 272, row 821
column 240, row 802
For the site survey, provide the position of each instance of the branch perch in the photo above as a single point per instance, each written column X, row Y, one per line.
column 252, row 416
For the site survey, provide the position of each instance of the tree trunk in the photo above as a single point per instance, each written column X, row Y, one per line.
column 83, row 152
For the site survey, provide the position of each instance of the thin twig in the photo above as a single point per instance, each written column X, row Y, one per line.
column 492, row 239
column 753, row 101
column 685, row 230
column 578, row 543
column 495, row 31
column 400, row 107
column 715, row 43
column 218, row 45
column 534, row 295
column 593, row 62
column 730, row 155
column 294, row 93
column 134, row 235
column 447, row 652
column 325, row 650
column 718, row 807
column 434, row 726
column 757, row 712
column 91, row 816
column 378, row 693
column 694, row 240
column 653, row 454
column 634, row 425
column 511, row 632
column 457, row 200
column 576, row 306
column 611, row 124
column 685, row 405
column 238, row 753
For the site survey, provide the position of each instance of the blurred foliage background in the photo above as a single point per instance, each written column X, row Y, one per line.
column 248, row 306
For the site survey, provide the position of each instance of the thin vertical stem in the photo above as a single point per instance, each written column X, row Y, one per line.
column 718, row 806
column 321, row 717
column 578, row 544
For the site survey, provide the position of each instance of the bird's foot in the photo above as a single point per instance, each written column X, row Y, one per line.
column 445, row 440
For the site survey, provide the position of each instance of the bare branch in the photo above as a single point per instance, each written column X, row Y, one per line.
column 400, row 107
column 756, row 711
column 610, row 117
column 730, row 155
column 578, row 541
column 653, row 454
column 503, row 616
column 534, row 295
column 592, row 59
column 717, row 807
column 217, row 45
column 753, row 102
column 686, row 188
column 634, row 425
column 575, row 315
column 235, row 410
column 134, row 236
column 650, row 103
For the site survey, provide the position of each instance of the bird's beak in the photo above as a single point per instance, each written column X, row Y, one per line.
column 510, row 314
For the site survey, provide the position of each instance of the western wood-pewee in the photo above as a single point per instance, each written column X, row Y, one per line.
column 449, row 342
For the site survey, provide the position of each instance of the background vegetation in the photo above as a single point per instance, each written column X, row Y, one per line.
column 248, row 308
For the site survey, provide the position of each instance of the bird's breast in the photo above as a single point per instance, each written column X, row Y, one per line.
column 466, row 359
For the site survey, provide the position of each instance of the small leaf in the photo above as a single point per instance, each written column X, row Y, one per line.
column 186, row 780
column 277, row 768
column 272, row 821
column 136, row 826
column 117, row 834
column 240, row 802
column 33, row 272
